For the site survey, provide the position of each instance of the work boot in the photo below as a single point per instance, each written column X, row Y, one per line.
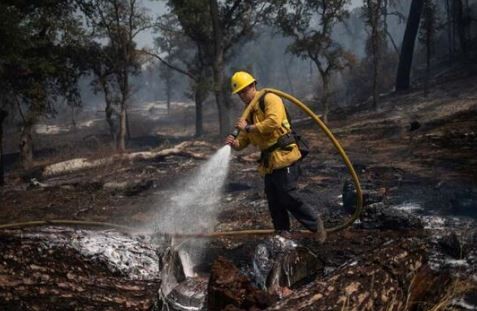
column 320, row 234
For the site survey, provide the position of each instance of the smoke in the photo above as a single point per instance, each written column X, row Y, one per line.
column 194, row 207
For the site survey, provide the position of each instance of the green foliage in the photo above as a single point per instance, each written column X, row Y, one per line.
column 237, row 19
column 40, row 65
column 118, row 22
column 310, row 24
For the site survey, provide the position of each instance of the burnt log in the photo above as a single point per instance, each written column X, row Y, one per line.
column 130, row 187
column 377, row 281
column 229, row 289
column 379, row 216
column 65, row 269
column 184, row 149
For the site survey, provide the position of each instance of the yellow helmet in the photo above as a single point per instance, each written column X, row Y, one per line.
column 241, row 80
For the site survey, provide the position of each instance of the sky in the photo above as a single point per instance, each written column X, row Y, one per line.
column 156, row 8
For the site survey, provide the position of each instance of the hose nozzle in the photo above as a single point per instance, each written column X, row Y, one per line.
column 235, row 133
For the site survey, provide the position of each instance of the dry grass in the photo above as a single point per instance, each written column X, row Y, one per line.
column 457, row 289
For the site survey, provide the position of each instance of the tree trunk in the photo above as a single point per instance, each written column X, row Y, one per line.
column 326, row 94
column 109, row 108
column 428, row 63
column 128, row 126
column 449, row 31
column 461, row 25
column 168, row 92
column 218, row 69
column 123, row 122
column 3, row 115
column 407, row 48
column 73, row 120
column 26, row 145
column 287, row 65
column 374, row 10
column 109, row 118
column 121, row 143
column 199, row 99
column 375, row 68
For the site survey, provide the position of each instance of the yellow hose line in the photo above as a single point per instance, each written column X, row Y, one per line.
column 122, row 228
column 66, row 222
column 326, row 130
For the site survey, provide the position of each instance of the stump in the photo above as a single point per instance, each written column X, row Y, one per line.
column 230, row 289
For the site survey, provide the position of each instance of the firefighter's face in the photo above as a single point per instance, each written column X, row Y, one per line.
column 248, row 93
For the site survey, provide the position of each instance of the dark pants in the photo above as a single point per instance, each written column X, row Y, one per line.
column 282, row 195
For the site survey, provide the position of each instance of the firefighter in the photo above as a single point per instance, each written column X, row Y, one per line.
column 268, row 128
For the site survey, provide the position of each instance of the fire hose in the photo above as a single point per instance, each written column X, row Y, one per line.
column 248, row 109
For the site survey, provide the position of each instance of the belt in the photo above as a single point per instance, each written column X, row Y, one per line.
column 285, row 142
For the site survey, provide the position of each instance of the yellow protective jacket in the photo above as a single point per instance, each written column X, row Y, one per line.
column 271, row 124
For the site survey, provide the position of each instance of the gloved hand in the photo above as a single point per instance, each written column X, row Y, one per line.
column 241, row 124
column 230, row 140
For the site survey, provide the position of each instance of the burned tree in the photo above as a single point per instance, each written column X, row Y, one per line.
column 184, row 56
column 168, row 75
column 3, row 116
column 119, row 22
column 380, row 58
column 100, row 64
column 428, row 29
column 407, row 48
column 373, row 12
column 175, row 46
column 313, row 39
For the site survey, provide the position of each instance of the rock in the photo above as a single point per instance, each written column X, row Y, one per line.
column 229, row 288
